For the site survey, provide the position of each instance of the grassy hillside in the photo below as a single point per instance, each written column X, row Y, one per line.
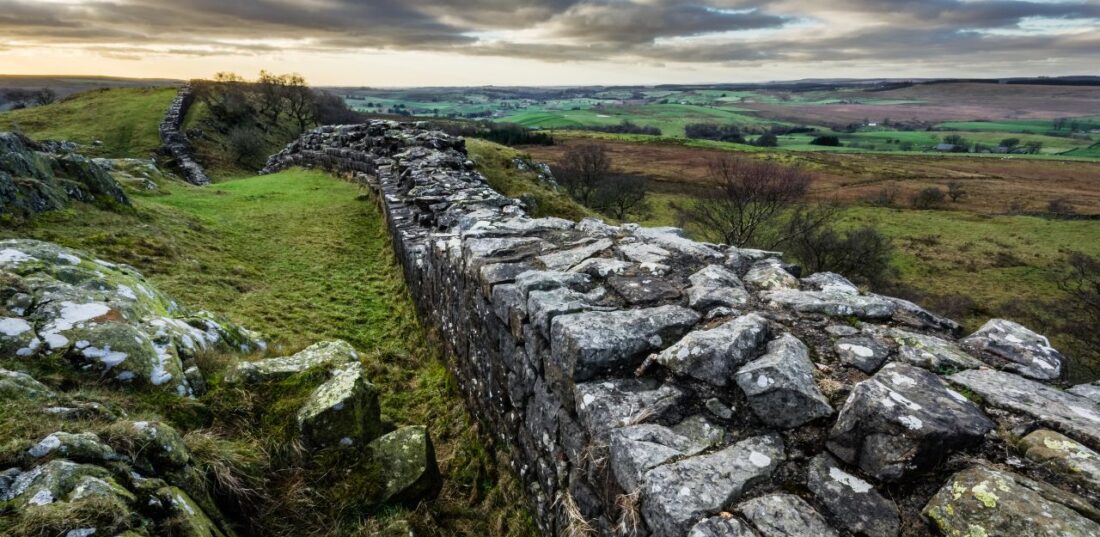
column 301, row 257
column 497, row 163
column 125, row 121
column 670, row 118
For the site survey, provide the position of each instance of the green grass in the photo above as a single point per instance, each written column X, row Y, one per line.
column 1037, row 126
column 303, row 257
column 126, row 121
column 497, row 163
column 670, row 118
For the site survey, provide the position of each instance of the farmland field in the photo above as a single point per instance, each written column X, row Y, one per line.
column 1054, row 120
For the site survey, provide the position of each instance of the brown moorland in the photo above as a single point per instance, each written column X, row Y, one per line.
column 992, row 183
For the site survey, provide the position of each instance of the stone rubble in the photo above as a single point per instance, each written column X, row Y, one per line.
column 594, row 352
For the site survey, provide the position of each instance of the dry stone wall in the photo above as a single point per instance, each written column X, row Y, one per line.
column 174, row 140
column 649, row 384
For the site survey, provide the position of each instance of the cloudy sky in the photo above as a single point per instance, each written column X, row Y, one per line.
column 551, row 42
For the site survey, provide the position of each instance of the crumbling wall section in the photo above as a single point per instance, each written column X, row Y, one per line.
column 175, row 141
column 649, row 384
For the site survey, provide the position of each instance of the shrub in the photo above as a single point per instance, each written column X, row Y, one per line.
column 928, row 198
column 247, row 145
column 956, row 191
column 710, row 131
column 887, row 196
column 1061, row 207
column 767, row 140
column 862, row 255
column 826, row 141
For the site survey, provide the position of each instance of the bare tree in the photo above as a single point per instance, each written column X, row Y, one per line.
column 582, row 171
column 752, row 196
column 956, row 191
column 45, row 96
column 299, row 99
column 270, row 92
column 619, row 196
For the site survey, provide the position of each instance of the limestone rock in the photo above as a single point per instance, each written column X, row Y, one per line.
column 50, row 482
column 769, row 275
column 904, row 420
column 830, row 282
column 326, row 354
column 675, row 496
column 35, row 179
column 343, row 411
column 643, row 290
column 191, row 520
column 606, row 405
column 159, row 443
column 1020, row 350
column 851, row 502
column 1088, row 391
column 407, row 460
column 930, row 352
column 780, row 385
column 1071, row 414
column 785, row 515
column 714, row 355
column 636, row 449
column 588, row 344
column 105, row 318
column 1064, row 456
column 15, row 384
column 673, row 239
column 79, row 447
column 985, row 501
column 567, row 259
column 864, row 353
column 715, row 286
column 831, row 303
column 722, row 526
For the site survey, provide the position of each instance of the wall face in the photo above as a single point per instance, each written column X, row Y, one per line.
column 650, row 384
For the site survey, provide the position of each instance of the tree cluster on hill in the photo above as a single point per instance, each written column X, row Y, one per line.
column 23, row 98
column 626, row 127
column 586, row 174
column 280, row 107
column 711, row 131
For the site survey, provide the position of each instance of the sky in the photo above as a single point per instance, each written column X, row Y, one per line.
column 551, row 42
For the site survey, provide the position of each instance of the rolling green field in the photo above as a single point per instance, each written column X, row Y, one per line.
column 670, row 118
column 125, row 121
column 1037, row 126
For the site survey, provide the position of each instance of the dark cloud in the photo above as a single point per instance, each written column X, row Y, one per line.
column 744, row 32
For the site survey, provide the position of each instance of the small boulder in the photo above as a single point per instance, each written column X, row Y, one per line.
column 407, row 462
column 863, row 352
column 79, row 447
column 984, row 501
column 675, row 496
column 770, row 274
column 583, row 345
column 780, row 385
column 715, row 286
column 785, row 515
column 851, row 502
column 831, row 303
column 930, row 352
column 343, row 411
column 1015, row 348
column 1072, row 460
column 1088, row 391
column 327, row 354
column 831, row 282
column 904, row 420
column 635, row 450
column 1073, row 415
column 714, row 355
column 606, row 405
column 15, row 384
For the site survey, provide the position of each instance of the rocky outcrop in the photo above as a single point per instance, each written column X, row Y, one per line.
column 104, row 320
column 38, row 177
column 175, row 141
column 650, row 384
